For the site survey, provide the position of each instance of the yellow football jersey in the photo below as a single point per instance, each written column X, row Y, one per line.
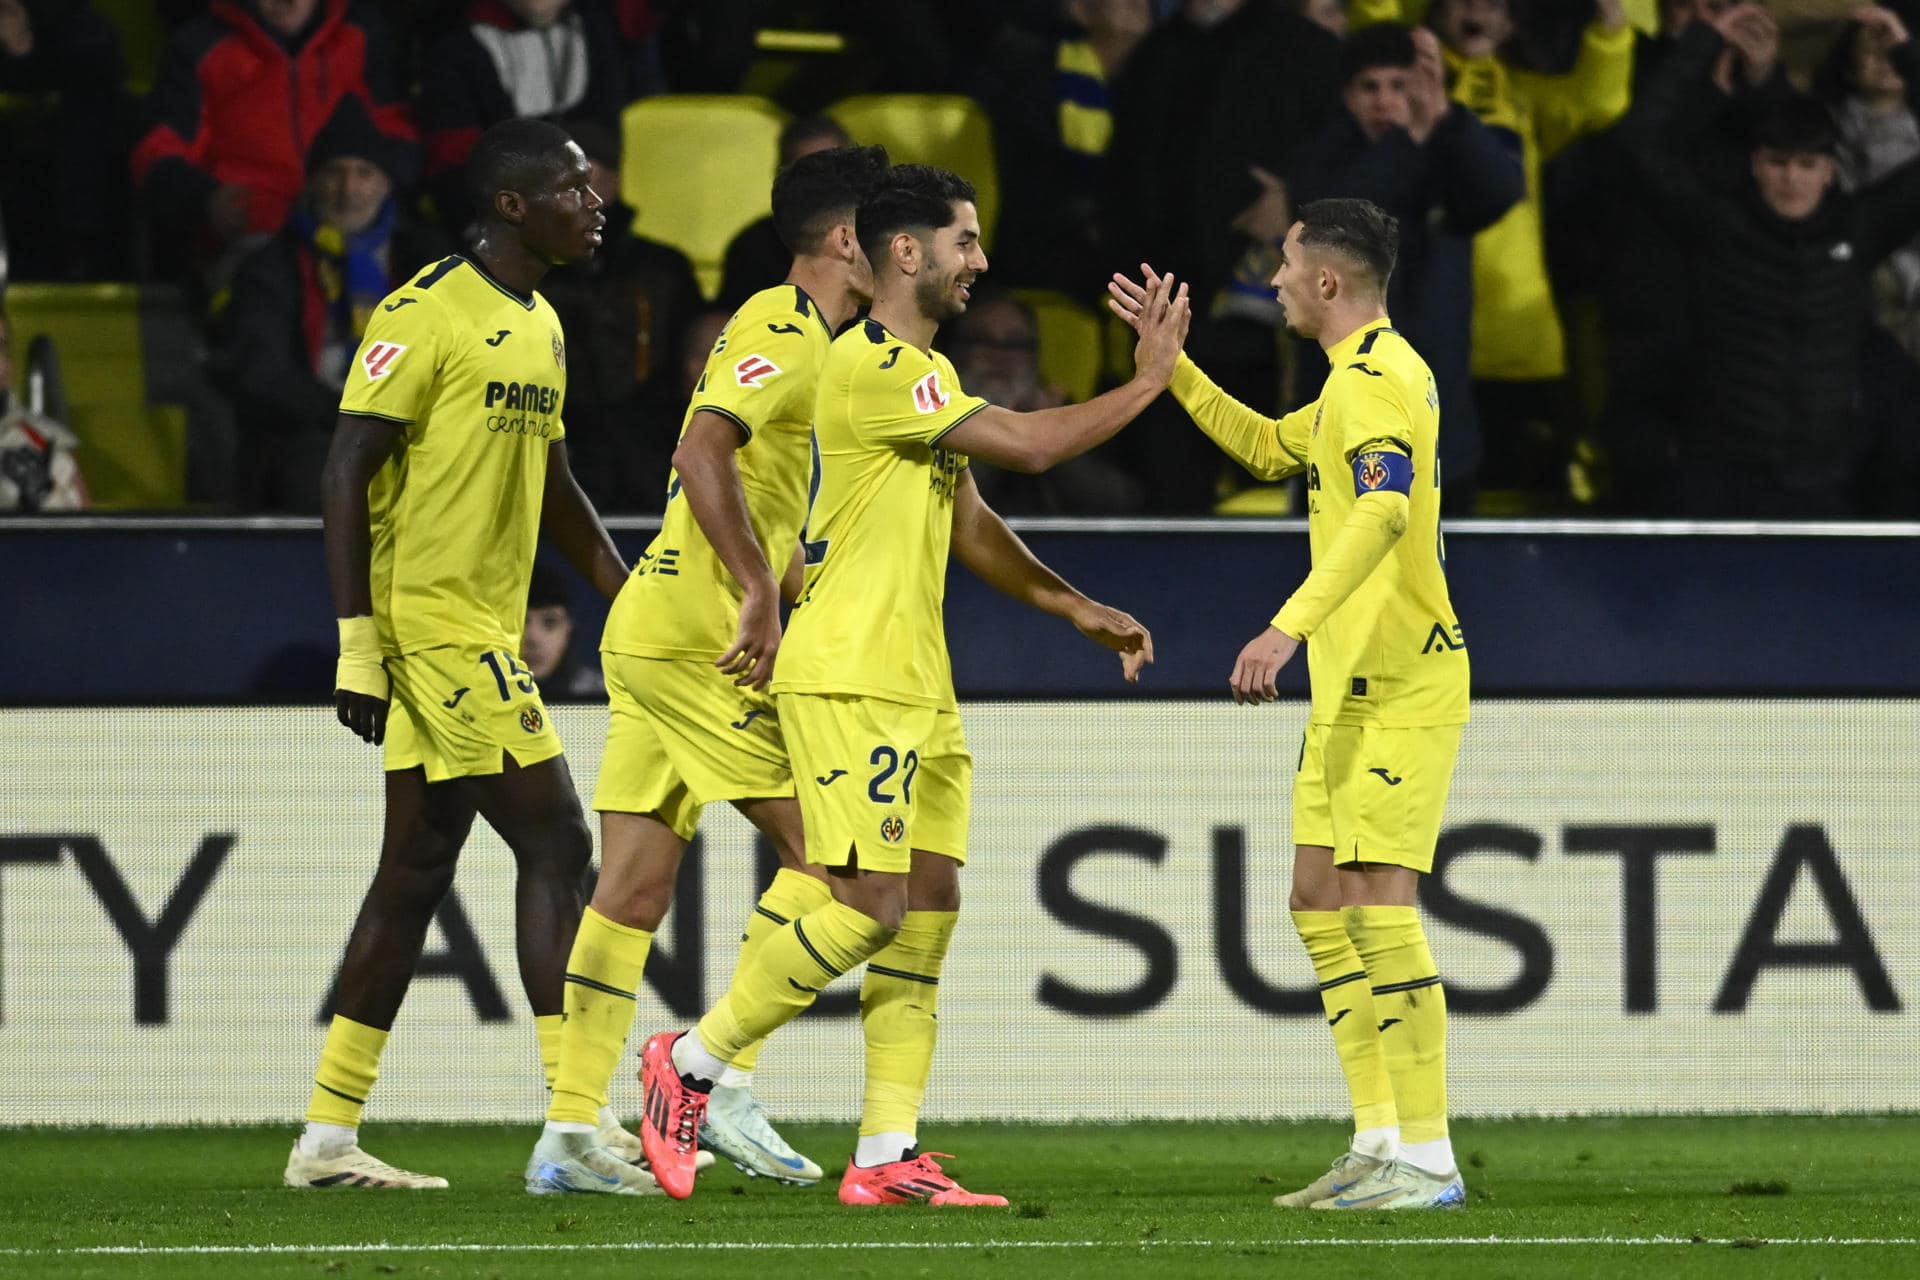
column 681, row 601
column 476, row 373
column 1392, row 653
column 879, row 522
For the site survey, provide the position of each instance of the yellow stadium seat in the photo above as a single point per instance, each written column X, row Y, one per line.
column 143, row 38
column 133, row 454
column 1069, row 341
column 698, row 168
column 930, row 128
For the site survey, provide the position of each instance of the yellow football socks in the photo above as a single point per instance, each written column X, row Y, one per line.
column 788, row 969
column 1349, row 1004
column 898, row 1005
column 1412, row 1012
column 603, row 979
column 791, row 895
column 349, row 1064
column 546, row 1028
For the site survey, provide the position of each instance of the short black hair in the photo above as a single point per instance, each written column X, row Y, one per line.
column 807, row 128
column 1797, row 123
column 1385, row 44
column 814, row 192
column 1359, row 230
column 914, row 197
column 514, row 155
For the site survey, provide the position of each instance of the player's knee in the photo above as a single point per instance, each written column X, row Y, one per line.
column 1315, row 898
column 418, row 881
column 637, row 904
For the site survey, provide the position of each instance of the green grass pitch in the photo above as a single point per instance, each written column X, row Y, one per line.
column 1742, row 1196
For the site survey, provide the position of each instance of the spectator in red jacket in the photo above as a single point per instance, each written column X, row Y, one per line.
column 242, row 94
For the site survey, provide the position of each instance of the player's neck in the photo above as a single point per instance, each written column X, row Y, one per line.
column 825, row 281
column 1344, row 322
column 509, row 262
column 898, row 311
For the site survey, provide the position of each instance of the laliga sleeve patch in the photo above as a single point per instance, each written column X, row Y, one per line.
column 754, row 371
column 1377, row 471
column 927, row 395
column 379, row 358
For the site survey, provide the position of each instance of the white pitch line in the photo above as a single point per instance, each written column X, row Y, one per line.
column 764, row 1246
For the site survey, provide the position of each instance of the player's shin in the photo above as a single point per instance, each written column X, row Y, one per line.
column 787, row 971
column 603, row 976
column 1412, row 1011
column 1348, row 1000
column 791, row 895
column 899, row 1003
column 349, row 1064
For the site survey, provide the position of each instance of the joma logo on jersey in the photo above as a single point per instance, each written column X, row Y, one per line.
column 379, row 358
column 754, row 371
column 927, row 395
column 1443, row 640
column 530, row 396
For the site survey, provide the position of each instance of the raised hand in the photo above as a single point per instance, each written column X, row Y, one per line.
column 1755, row 37
column 1427, row 86
column 1118, row 631
column 1883, row 25
column 1159, row 312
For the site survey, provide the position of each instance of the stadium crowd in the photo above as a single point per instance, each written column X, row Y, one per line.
column 1661, row 262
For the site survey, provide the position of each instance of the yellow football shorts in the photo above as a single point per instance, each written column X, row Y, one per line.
column 878, row 779
column 680, row 734
column 454, row 710
column 1372, row 794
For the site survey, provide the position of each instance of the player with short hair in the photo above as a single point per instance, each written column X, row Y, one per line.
column 448, row 463
column 865, row 688
column 688, row 651
column 1388, row 671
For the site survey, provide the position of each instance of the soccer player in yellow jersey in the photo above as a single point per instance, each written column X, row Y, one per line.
column 448, row 462
column 865, row 691
column 688, row 651
column 1388, row 670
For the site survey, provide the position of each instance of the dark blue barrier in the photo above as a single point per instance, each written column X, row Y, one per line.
column 105, row 611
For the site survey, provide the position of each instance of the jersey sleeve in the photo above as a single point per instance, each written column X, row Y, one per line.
column 1373, row 411
column 900, row 395
column 393, row 371
column 758, row 370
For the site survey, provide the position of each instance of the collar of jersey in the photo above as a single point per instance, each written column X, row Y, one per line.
column 484, row 274
column 1347, row 345
column 803, row 303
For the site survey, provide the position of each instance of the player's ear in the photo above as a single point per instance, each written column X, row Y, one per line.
column 511, row 208
column 906, row 252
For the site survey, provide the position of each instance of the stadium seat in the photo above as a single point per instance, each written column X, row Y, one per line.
column 697, row 168
column 143, row 39
column 133, row 453
column 930, row 128
column 1069, row 341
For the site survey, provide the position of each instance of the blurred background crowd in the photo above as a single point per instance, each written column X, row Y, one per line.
column 1663, row 261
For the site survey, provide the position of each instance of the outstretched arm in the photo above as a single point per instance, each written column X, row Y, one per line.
column 1033, row 442
column 996, row 555
column 1269, row 448
column 360, row 447
column 568, row 517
